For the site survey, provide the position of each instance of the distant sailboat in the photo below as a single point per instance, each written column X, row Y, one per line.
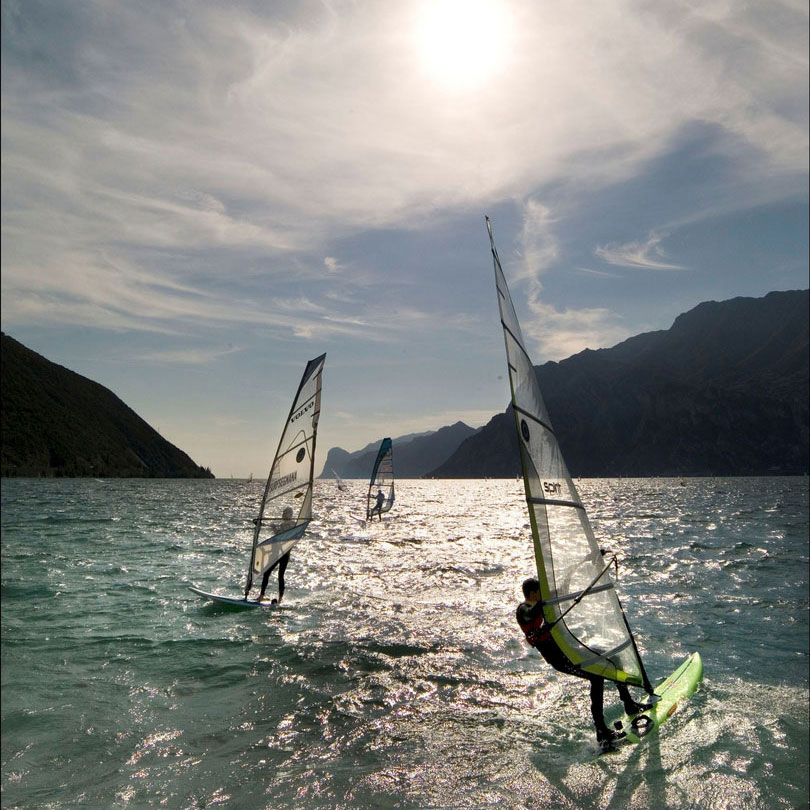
column 580, row 604
column 286, row 505
column 381, row 487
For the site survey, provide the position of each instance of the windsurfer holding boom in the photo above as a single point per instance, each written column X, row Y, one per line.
column 287, row 522
column 378, row 505
column 537, row 632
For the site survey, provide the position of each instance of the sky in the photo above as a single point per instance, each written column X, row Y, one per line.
column 199, row 197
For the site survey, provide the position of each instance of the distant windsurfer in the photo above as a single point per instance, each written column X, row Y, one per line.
column 287, row 522
column 378, row 505
column 537, row 632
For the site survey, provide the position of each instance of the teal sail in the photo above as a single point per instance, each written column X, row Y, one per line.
column 286, row 505
column 578, row 592
column 381, row 487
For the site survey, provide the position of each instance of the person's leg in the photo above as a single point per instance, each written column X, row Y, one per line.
column 631, row 706
column 266, row 579
column 282, row 567
column 604, row 735
column 597, row 704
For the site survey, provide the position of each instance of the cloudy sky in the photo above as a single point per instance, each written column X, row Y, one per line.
column 198, row 197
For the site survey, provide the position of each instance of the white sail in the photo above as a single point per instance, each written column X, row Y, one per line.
column 382, row 481
column 286, row 506
column 579, row 597
column 340, row 485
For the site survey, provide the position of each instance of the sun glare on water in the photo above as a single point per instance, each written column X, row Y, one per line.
column 462, row 42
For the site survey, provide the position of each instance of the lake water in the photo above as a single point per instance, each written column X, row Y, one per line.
column 394, row 674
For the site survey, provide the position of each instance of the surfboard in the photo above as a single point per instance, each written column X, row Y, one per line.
column 364, row 522
column 673, row 691
column 233, row 601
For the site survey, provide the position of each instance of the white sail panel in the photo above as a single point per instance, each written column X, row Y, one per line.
column 382, row 481
column 286, row 506
column 579, row 597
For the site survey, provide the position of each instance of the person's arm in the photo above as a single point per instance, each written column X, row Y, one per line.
column 527, row 613
column 537, row 609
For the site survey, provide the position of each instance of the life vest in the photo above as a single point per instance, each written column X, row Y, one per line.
column 535, row 630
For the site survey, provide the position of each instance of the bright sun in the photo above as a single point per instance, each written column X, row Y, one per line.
column 462, row 42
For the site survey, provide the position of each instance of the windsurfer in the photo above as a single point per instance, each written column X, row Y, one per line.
column 287, row 522
column 378, row 505
column 537, row 632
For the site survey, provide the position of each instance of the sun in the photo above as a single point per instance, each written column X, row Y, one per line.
column 462, row 42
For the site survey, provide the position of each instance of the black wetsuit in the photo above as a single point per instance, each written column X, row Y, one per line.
column 378, row 505
column 531, row 621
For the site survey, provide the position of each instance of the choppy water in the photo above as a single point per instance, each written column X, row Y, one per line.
column 394, row 675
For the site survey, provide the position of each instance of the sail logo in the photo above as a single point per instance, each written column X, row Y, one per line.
column 308, row 407
column 283, row 481
column 552, row 489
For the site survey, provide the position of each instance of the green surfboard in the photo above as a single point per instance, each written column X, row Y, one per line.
column 673, row 692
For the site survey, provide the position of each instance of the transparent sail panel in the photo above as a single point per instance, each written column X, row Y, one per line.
column 286, row 506
column 381, row 487
column 574, row 576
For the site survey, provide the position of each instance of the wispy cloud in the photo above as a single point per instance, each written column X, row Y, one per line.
column 590, row 271
column 556, row 334
column 266, row 133
column 193, row 357
column 292, row 128
column 538, row 240
column 646, row 255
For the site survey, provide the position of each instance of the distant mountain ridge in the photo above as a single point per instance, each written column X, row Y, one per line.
column 57, row 423
column 414, row 454
column 724, row 391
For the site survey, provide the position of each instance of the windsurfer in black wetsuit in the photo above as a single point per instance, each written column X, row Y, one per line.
column 378, row 505
column 287, row 522
column 533, row 624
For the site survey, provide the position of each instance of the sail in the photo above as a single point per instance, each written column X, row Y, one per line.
column 578, row 593
column 286, row 506
column 382, row 480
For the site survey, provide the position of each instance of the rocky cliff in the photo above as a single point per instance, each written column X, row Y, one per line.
column 414, row 455
column 724, row 391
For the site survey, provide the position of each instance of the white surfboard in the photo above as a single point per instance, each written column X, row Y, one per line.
column 233, row 601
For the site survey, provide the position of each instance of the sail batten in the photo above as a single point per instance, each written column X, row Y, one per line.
column 288, row 491
column 533, row 417
column 605, row 657
column 550, row 502
column 585, row 618
column 518, row 341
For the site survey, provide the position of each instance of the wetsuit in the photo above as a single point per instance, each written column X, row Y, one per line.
column 532, row 623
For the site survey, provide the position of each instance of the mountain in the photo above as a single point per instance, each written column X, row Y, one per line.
column 724, row 391
column 57, row 423
column 414, row 454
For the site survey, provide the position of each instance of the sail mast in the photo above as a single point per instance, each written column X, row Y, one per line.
column 579, row 597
